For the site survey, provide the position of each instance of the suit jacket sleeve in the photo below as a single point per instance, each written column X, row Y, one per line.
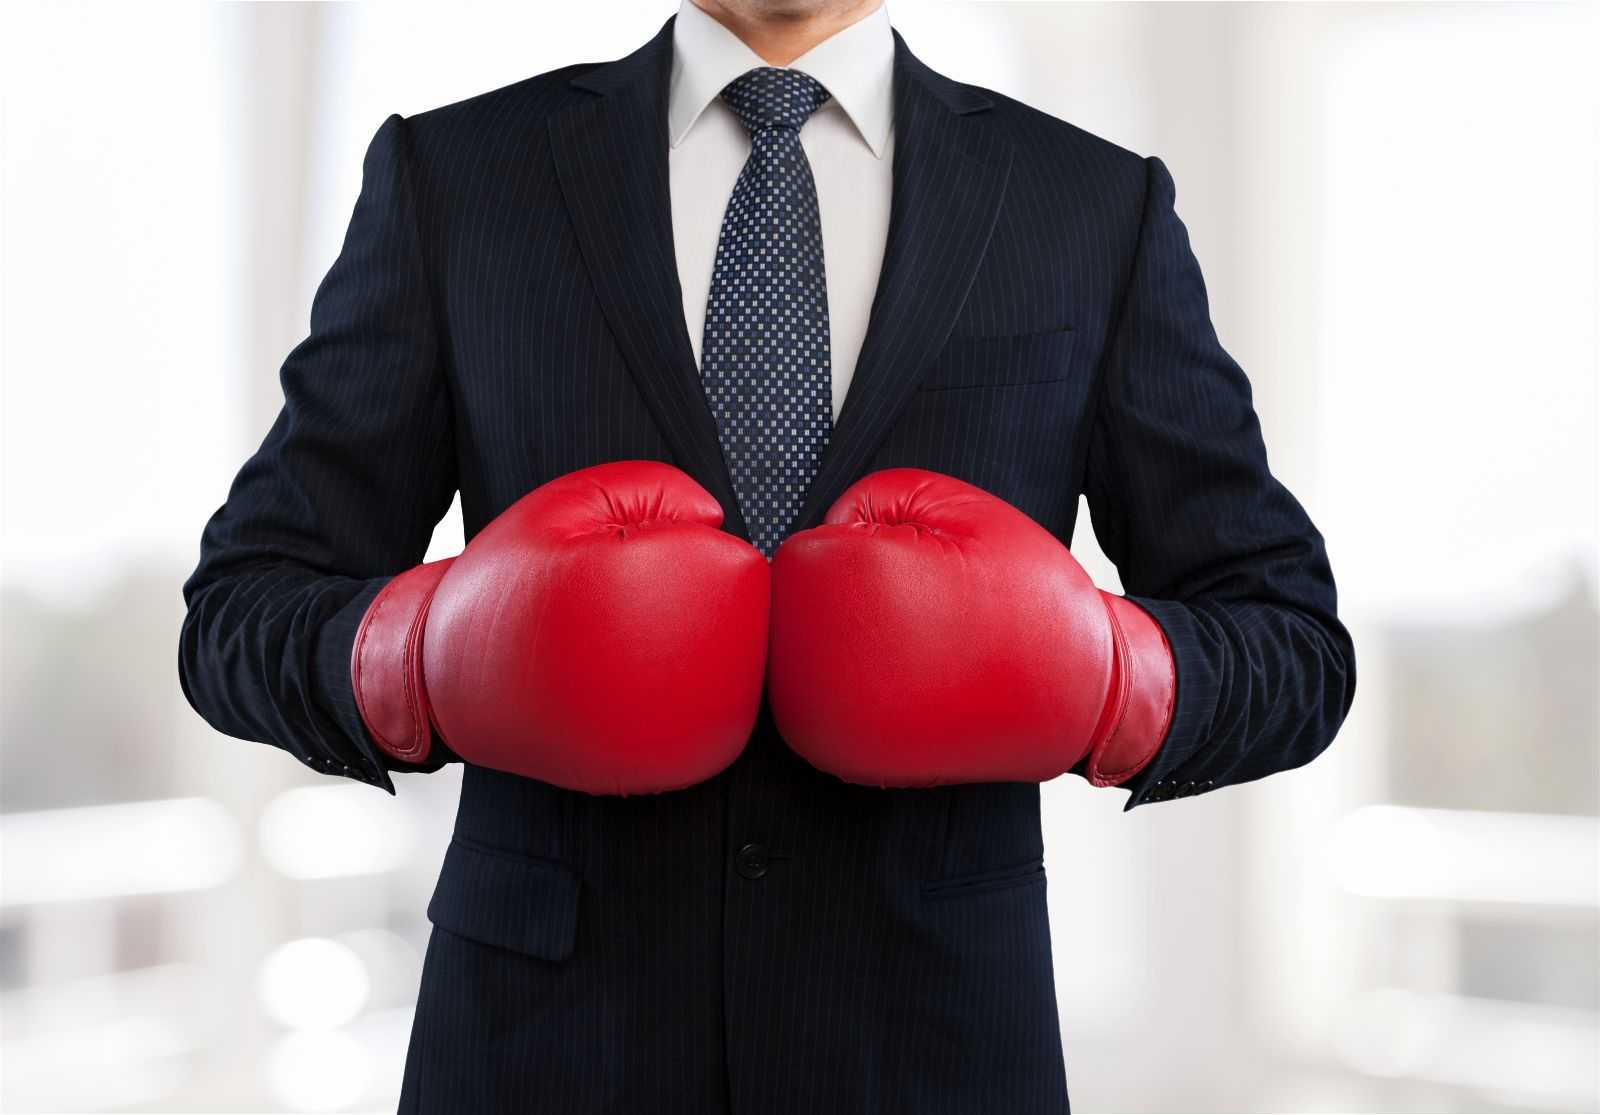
column 343, row 493
column 1205, row 538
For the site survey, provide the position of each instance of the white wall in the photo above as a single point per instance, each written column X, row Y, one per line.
column 1395, row 207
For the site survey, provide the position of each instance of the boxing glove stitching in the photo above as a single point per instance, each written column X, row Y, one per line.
column 1117, row 705
column 415, row 697
column 1115, row 776
column 367, row 622
column 1125, row 679
column 1130, row 670
column 1167, row 705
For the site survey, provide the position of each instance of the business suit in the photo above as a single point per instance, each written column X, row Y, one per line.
column 505, row 310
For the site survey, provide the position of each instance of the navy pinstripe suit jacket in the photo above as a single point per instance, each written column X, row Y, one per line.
column 506, row 309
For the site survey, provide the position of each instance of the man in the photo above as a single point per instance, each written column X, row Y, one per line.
column 769, row 268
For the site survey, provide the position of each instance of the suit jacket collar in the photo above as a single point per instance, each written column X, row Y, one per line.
column 950, row 169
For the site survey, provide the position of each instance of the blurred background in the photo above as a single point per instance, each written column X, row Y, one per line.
column 1396, row 211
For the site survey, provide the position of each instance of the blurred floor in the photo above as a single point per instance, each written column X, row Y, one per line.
column 1395, row 207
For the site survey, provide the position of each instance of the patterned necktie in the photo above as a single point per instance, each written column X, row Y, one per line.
column 765, row 355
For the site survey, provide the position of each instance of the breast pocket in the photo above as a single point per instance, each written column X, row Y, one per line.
column 1004, row 413
column 1001, row 361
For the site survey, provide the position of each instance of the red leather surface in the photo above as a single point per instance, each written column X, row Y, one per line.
column 602, row 634
column 929, row 633
column 1149, row 685
column 386, row 663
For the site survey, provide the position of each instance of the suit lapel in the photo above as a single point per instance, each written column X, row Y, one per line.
column 611, row 158
column 949, row 175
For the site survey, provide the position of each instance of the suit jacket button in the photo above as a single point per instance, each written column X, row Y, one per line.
column 752, row 861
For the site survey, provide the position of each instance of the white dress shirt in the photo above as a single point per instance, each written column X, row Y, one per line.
column 848, row 142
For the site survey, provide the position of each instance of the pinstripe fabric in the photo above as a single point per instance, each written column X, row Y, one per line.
column 504, row 310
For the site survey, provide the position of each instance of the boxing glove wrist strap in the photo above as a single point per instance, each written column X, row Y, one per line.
column 1147, row 685
column 386, row 664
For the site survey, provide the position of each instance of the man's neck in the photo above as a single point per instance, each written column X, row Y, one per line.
column 781, row 37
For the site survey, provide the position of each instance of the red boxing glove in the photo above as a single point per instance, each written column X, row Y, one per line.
column 602, row 634
column 929, row 633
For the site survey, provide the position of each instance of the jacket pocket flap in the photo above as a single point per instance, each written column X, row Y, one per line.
column 1009, row 877
column 507, row 900
column 1001, row 361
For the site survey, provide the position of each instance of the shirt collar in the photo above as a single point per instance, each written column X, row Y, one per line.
column 855, row 65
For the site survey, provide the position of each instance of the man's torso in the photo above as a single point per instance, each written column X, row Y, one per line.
column 773, row 940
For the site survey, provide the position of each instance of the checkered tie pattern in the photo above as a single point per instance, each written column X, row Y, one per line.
column 765, row 357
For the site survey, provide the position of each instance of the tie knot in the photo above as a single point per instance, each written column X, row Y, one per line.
column 770, row 97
